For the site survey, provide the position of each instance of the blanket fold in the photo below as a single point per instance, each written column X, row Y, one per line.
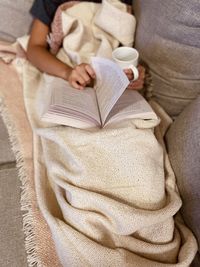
column 96, row 34
column 109, row 196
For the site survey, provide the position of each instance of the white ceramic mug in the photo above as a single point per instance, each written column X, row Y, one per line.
column 127, row 58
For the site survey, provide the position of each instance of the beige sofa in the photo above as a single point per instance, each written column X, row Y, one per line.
column 168, row 39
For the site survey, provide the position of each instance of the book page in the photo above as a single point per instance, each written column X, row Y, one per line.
column 131, row 105
column 68, row 102
column 110, row 84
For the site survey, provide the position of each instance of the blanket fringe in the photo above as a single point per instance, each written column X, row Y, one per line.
column 26, row 191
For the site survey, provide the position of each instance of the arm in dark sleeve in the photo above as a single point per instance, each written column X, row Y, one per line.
column 127, row 2
column 44, row 10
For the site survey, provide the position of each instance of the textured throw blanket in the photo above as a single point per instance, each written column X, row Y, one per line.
column 108, row 196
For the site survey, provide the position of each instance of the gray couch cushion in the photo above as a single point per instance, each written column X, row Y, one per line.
column 12, row 248
column 168, row 39
column 15, row 19
column 183, row 144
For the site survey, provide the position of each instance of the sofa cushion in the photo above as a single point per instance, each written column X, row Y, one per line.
column 12, row 247
column 168, row 39
column 15, row 19
column 183, row 145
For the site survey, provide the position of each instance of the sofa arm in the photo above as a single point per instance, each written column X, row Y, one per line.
column 183, row 145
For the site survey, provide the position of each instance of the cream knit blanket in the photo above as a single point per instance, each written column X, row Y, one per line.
column 109, row 196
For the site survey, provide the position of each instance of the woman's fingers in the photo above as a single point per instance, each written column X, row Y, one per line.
column 90, row 71
column 139, row 83
column 129, row 74
column 141, row 70
column 77, row 85
column 136, row 85
column 83, row 74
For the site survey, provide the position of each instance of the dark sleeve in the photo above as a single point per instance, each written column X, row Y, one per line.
column 128, row 2
column 44, row 10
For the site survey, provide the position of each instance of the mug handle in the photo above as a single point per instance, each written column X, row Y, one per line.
column 135, row 72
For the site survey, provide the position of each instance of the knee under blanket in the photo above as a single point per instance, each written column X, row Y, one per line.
column 109, row 196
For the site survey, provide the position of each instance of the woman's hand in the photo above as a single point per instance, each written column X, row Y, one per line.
column 139, row 83
column 81, row 76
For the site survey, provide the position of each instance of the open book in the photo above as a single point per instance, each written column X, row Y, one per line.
column 106, row 103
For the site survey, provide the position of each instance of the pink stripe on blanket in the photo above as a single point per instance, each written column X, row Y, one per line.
column 56, row 36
